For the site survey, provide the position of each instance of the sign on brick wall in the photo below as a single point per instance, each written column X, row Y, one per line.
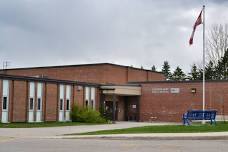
column 166, row 90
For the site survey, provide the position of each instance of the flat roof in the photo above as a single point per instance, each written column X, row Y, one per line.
column 77, row 65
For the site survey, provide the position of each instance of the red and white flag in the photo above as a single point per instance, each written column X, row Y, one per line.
column 198, row 22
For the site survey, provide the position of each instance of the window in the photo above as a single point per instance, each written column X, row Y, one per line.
column 4, row 103
column 31, row 104
column 38, row 104
column 86, row 103
column 61, row 104
column 91, row 103
column 134, row 106
column 68, row 104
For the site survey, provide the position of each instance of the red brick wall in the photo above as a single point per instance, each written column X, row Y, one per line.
column 51, row 102
column 103, row 74
column 170, row 107
column 11, row 100
column 137, row 75
column 115, row 74
column 88, row 74
column 153, row 76
column 78, row 96
column 98, row 99
column 20, row 101
column 44, row 101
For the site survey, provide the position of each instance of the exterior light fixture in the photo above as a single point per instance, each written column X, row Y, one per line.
column 193, row 90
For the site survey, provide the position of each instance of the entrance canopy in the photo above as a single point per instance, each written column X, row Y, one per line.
column 121, row 90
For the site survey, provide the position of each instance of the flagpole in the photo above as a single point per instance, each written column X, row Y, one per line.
column 203, row 60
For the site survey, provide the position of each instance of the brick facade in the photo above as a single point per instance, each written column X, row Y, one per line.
column 20, row 100
column 161, row 104
column 51, row 108
column 94, row 73
column 170, row 106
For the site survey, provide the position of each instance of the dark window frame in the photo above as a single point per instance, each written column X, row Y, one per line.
column 92, row 102
column 86, row 103
column 68, row 104
column 5, row 103
column 39, row 105
column 61, row 104
column 31, row 104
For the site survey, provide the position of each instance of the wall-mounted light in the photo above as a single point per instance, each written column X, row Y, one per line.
column 193, row 90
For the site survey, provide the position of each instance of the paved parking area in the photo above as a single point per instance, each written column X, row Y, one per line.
column 54, row 131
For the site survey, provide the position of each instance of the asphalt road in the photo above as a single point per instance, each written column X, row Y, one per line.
column 103, row 145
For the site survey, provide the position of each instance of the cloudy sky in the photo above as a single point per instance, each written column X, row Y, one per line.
column 127, row 32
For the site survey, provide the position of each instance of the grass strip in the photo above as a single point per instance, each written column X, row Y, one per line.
column 196, row 128
column 42, row 124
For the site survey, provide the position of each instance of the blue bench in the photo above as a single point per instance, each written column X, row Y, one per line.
column 199, row 115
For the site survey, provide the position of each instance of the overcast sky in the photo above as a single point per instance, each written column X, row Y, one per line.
column 126, row 32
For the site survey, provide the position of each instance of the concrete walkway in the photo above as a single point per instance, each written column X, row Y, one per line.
column 57, row 131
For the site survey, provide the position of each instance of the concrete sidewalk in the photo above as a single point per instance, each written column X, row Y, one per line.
column 57, row 131
column 153, row 136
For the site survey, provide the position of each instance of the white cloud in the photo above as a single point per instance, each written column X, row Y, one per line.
column 131, row 32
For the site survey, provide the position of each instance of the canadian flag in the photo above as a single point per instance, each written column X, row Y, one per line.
column 198, row 22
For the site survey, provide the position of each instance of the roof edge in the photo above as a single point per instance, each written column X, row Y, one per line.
column 190, row 81
column 77, row 65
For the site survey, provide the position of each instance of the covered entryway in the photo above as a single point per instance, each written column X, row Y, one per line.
column 121, row 103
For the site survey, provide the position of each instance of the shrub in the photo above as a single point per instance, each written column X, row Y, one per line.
column 87, row 115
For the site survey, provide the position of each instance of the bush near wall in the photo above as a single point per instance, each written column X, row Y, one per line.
column 87, row 115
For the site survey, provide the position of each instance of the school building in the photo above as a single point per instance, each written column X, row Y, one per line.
column 40, row 94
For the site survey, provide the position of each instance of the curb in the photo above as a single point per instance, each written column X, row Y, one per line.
column 155, row 136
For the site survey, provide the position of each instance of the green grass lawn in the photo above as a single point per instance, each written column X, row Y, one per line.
column 195, row 128
column 41, row 124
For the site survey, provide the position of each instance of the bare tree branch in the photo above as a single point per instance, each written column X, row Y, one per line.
column 217, row 42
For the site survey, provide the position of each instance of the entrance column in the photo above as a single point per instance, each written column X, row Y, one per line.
column 114, row 108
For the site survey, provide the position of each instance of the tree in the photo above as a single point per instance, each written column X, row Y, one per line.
column 217, row 42
column 210, row 72
column 225, row 65
column 222, row 67
column 195, row 73
column 166, row 70
column 178, row 74
column 153, row 68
